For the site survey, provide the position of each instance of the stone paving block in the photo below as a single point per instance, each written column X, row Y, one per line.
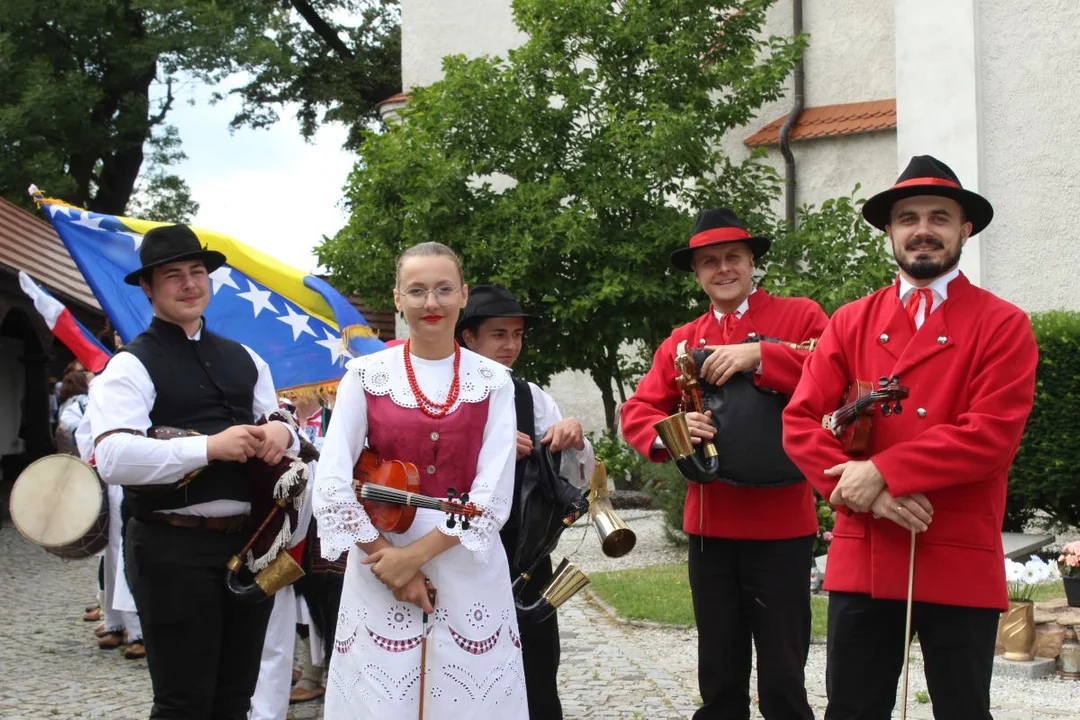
column 1037, row 668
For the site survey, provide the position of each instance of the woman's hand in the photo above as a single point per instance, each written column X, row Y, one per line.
column 416, row 591
column 395, row 567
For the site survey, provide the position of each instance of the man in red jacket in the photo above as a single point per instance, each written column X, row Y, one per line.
column 750, row 547
column 939, row 467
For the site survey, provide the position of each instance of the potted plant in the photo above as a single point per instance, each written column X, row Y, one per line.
column 1069, row 566
column 1017, row 625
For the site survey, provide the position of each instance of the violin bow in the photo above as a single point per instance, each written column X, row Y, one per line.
column 423, row 644
column 907, row 626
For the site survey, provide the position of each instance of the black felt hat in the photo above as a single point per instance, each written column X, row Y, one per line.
column 926, row 175
column 490, row 301
column 714, row 227
column 172, row 243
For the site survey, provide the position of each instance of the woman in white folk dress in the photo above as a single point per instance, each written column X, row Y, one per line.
column 451, row 413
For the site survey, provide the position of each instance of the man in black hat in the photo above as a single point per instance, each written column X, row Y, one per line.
column 750, row 547
column 203, row 648
column 493, row 325
column 933, row 477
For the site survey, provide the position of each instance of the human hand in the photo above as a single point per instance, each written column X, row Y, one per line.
column 860, row 482
column 278, row 439
column 700, row 426
column 911, row 512
column 524, row 445
column 393, row 566
column 564, row 434
column 416, row 591
column 726, row 360
column 235, row 444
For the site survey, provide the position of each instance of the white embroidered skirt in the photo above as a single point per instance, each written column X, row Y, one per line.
column 473, row 666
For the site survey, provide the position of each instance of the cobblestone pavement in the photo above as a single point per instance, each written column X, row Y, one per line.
column 611, row 670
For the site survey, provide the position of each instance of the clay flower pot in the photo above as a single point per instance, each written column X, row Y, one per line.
column 1017, row 630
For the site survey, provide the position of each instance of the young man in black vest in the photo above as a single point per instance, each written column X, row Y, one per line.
column 493, row 325
column 203, row 648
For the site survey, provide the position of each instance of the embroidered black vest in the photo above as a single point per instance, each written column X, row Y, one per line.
column 206, row 385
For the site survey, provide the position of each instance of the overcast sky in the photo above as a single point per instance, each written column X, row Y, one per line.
column 267, row 188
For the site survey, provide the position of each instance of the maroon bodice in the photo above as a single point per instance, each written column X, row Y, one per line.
column 445, row 451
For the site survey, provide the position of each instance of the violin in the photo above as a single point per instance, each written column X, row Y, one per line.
column 852, row 421
column 390, row 493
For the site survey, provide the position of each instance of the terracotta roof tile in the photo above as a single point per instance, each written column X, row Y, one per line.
column 830, row 121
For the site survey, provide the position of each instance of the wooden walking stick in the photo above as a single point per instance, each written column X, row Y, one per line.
column 423, row 644
column 907, row 624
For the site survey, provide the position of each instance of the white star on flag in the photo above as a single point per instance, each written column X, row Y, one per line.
column 259, row 299
column 135, row 237
column 55, row 210
column 298, row 323
column 87, row 221
column 331, row 343
column 220, row 278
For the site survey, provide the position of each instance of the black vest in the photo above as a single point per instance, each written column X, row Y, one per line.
column 206, row 385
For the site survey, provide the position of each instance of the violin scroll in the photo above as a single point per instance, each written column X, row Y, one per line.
column 851, row 423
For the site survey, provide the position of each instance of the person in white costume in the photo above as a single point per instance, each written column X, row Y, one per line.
column 451, row 413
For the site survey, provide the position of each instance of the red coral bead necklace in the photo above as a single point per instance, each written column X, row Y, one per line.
column 428, row 406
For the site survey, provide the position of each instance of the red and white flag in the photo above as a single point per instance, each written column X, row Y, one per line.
column 80, row 341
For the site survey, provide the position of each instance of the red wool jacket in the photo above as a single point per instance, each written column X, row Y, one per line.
column 717, row 509
column 971, row 373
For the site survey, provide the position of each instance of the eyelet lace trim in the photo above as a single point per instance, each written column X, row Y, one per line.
column 343, row 523
column 383, row 373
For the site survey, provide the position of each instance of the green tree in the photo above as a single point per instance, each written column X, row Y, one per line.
column 86, row 86
column 569, row 171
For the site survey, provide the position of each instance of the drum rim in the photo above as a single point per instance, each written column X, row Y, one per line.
column 53, row 456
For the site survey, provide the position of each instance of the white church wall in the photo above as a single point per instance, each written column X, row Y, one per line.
column 1031, row 151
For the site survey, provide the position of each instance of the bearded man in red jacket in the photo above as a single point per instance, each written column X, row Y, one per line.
column 750, row 547
column 939, row 467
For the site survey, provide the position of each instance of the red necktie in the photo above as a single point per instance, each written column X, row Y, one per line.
column 912, row 305
column 727, row 327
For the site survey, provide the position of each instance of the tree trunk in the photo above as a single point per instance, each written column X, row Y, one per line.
column 602, row 378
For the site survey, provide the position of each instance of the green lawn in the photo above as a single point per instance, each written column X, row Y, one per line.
column 661, row 593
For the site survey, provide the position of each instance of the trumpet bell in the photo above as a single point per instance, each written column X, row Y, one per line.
column 565, row 583
column 616, row 538
column 674, row 433
column 281, row 571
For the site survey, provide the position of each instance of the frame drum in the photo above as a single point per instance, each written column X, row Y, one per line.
column 59, row 503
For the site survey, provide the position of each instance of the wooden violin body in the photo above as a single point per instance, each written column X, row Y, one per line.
column 389, row 490
column 854, row 419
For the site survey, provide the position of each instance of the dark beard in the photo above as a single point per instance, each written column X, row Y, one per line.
column 928, row 268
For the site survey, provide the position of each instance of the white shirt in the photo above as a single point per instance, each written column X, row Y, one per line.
column 738, row 311
column 577, row 465
column 121, row 398
column 939, row 290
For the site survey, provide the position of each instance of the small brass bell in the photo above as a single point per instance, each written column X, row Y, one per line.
column 1069, row 659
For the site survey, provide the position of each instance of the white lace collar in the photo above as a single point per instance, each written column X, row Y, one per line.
column 383, row 373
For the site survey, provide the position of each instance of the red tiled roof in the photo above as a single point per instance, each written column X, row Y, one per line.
column 30, row 244
column 397, row 98
column 830, row 121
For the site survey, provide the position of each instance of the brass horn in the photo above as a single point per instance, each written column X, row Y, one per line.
column 700, row 465
column 281, row 571
column 565, row 583
column 616, row 537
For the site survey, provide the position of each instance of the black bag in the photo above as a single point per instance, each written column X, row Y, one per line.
column 749, row 431
column 542, row 498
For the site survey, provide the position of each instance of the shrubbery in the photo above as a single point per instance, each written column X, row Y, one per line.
column 1044, row 476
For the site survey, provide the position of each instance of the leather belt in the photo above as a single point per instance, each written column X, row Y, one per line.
column 229, row 524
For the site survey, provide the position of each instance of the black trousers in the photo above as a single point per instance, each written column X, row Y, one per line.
column 540, row 652
column 866, row 657
column 202, row 647
column 752, row 591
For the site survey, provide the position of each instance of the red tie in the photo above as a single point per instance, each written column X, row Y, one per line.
column 727, row 327
column 912, row 305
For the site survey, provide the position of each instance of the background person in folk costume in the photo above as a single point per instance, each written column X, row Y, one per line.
column 202, row 645
column 451, row 413
column 940, row 467
column 493, row 325
column 750, row 547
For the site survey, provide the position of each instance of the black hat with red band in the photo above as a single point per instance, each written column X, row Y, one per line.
column 715, row 227
column 926, row 175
